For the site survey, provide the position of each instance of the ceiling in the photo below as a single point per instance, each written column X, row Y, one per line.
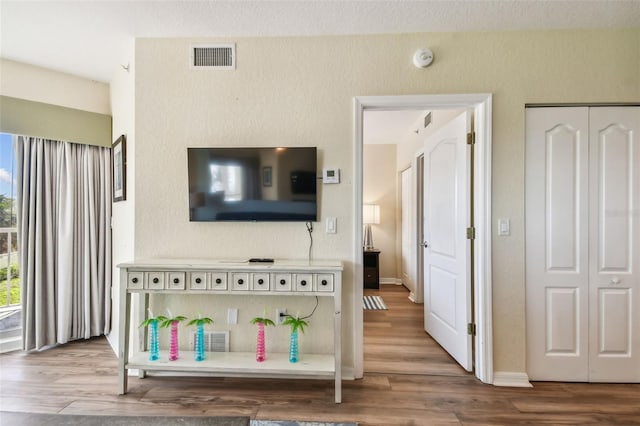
column 91, row 38
column 390, row 127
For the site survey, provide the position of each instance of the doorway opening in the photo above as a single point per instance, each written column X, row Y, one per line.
column 480, row 264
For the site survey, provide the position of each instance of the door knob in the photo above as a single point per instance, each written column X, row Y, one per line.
column 615, row 280
column 425, row 244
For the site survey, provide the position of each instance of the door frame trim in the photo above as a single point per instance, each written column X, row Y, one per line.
column 482, row 105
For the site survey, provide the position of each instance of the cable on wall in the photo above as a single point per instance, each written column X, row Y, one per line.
column 310, row 230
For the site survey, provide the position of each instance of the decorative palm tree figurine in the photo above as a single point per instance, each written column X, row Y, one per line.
column 199, row 346
column 173, row 323
column 154, row 343
column 260, row 347
column 295, row 323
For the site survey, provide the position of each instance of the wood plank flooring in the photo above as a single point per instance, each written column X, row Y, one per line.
column 81, row 378
column 395, row 340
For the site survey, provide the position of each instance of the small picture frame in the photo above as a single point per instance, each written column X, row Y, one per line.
column 266, row 176
column 119, row 161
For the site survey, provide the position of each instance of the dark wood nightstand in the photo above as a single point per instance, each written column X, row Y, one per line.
column 371, row 262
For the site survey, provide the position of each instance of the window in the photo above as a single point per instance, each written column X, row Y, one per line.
column 10, row 310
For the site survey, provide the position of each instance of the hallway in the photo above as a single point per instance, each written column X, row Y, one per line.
column 395, row 341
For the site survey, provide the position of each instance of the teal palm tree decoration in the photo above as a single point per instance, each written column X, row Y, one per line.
column 199, row 346
column 173, row 323
column 296, row 324
column 154, row 342
column 260, row 347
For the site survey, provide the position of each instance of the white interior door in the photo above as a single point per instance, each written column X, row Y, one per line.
column 614, row 234
column 557, row 246
column 447, row 294
column 583, row 243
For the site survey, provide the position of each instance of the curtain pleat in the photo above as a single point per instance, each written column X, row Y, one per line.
column 65, row 240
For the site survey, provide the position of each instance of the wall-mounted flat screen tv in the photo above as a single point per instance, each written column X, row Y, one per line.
column 252, row 184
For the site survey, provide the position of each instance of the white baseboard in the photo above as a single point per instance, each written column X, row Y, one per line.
column 113, row 343
column 511, row 379
column 394, row 281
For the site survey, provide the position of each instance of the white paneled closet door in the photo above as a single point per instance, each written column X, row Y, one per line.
column 583, row 243
column 557, row 250
column 614, row 243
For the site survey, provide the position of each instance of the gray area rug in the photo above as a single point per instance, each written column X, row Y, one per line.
column 290, row 423
column 373, row 303
column 34, row 419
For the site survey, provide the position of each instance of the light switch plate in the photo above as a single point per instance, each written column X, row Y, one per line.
column 504, row 227
column 332, row 225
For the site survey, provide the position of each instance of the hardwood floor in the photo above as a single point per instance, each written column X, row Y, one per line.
column 81, row 378
column 395, row 340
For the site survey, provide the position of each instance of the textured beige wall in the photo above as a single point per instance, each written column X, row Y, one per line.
column 299, row 91
column 40, row 102
column 32, row 83
column 122, row 90
column 380, row 187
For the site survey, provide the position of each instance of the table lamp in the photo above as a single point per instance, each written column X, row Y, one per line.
column 370, row 215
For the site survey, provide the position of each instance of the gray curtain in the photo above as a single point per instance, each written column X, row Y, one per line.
column 64, row 211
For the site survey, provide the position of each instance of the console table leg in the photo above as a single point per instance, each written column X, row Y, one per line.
column 123, row 335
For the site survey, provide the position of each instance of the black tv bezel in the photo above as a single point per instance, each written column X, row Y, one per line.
column 263, row 216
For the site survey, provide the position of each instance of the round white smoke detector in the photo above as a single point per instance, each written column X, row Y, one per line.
column 423, row 58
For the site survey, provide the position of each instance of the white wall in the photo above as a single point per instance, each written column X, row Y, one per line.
column 380, row 187
column 32, row 83
column 299, row 91
column 122, row 89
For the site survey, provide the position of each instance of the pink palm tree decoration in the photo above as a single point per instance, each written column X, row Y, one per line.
column 260, row 346
column 173, row 346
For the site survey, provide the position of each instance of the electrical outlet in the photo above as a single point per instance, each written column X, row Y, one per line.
column 232, row 316
column 279, row 318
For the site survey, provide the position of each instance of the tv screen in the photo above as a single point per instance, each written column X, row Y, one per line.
column 252, row 184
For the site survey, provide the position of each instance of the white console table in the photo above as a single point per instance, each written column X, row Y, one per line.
column 186, row 276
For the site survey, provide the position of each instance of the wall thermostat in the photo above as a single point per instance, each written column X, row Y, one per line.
column 330, row 175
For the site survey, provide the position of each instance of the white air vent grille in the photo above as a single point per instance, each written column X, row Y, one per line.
column 214, row 56
column 427, row 119
column 214, row 341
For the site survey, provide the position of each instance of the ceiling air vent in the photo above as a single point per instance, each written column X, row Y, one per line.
column 427, row 119
column 216, row 56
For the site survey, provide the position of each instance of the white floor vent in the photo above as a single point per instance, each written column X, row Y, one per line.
column 216, row 56
column 214, row 341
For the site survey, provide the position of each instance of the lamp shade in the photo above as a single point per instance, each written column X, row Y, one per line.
column 371, row 214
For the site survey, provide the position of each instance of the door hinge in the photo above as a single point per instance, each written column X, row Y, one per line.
column 471, row 138
column 471, row 329
column 471, row 233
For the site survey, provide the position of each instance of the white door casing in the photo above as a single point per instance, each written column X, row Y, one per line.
column 482, row 106
column 447, row 295
column 582, row 243
column 406, row 206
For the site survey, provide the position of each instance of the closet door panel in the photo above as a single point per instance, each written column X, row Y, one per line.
column 614, row 240
column 615, row 181
column 556, row 243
